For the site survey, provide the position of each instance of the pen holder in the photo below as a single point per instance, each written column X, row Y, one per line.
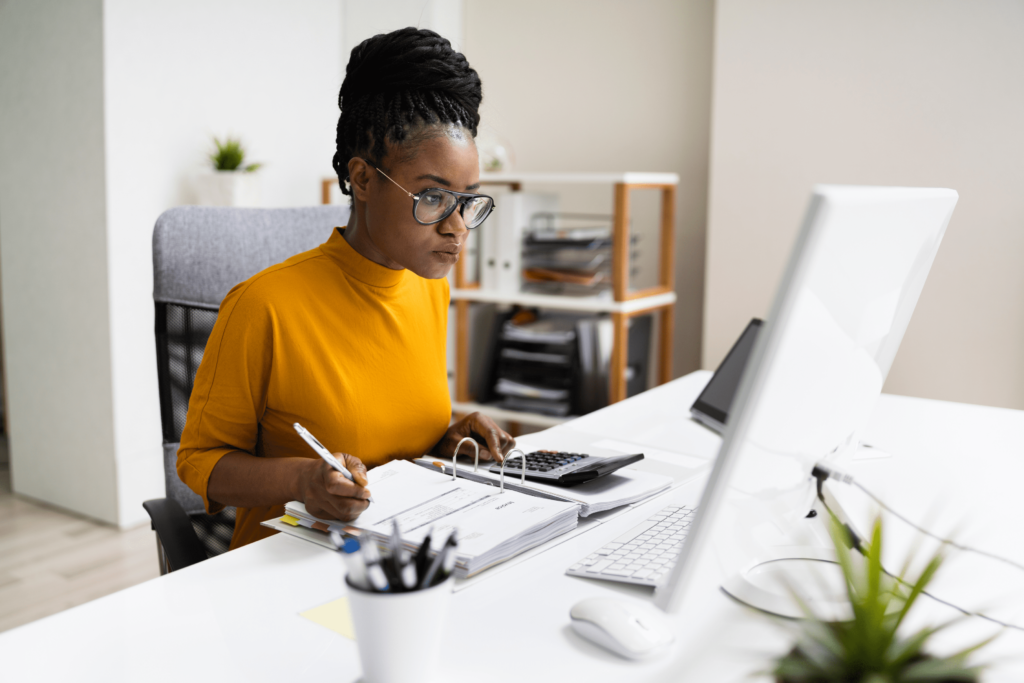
column 399, row 634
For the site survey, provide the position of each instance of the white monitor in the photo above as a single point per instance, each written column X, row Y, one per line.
column 845, row 299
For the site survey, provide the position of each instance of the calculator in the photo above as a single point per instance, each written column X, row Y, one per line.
column 561, row 468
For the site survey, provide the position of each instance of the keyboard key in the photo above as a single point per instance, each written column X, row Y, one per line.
column 618, row 572
column 604, row 551
column 599, row 567
column 634, row 532
column 618, row 565
column 590, row 561
column 642, row 574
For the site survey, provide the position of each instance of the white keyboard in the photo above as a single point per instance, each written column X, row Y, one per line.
column 643, row 555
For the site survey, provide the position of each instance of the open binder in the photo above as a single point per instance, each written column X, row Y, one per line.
column 494, row 523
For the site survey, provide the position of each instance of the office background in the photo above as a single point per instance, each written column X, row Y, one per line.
column 106, row 107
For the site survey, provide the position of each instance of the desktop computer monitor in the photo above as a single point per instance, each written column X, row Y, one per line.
column 854, row 276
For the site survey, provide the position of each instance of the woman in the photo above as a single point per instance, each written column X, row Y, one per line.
column 349, row 339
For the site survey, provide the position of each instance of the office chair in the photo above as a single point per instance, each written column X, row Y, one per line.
column 199, row 254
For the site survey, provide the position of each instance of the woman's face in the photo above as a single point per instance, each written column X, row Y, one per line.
column 385, row 229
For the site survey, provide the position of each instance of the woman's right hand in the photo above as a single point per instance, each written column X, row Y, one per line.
column 327, row 494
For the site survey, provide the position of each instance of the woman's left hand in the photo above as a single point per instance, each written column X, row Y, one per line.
column 496, row 441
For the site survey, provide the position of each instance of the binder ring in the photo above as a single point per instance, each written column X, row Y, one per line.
column 522, row 476
column 455, row 455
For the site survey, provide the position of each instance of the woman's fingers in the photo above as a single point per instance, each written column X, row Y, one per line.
column 342, row 509
column 338, row 485
column 498, row 441
column 356, row 467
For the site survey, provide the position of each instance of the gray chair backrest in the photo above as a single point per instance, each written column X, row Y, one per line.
column 199, row 254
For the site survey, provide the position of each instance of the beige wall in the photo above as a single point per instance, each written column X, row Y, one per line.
column 919, row 92
column 600, row 85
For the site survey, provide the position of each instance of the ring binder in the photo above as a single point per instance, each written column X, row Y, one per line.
column 455, row 456
column 508, row 456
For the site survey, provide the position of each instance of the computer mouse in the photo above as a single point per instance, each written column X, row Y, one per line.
column 629, row 629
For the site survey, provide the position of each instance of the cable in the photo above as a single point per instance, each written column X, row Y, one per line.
column 821, row 473
column 847, row 479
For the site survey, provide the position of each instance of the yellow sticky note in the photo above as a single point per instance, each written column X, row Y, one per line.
column 334, row 615
column 288, row 519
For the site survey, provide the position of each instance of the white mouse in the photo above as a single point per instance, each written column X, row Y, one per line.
column 632, row 630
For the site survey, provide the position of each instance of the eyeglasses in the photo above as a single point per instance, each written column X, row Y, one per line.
column 434, row 204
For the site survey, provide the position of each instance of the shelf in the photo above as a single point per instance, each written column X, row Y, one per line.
column 577, row 178
column 495, row 413
column 597, row 304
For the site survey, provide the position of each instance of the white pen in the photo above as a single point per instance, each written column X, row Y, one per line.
column 324, row 453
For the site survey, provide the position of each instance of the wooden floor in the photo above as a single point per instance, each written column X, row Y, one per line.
column 51, row 560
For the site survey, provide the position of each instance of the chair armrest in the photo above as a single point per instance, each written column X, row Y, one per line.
column 181, row 545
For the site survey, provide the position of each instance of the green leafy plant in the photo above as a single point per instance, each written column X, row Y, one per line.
column 229, row 156
column 869, row 648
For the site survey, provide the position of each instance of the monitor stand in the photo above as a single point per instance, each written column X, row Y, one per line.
column 812, row 573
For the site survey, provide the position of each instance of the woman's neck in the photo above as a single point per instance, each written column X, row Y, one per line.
column 358, row 237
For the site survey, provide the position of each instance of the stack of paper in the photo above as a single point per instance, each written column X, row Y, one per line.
column 491, row 526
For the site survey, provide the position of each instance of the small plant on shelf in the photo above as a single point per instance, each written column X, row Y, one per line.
column 229, row 155
column 869, row 648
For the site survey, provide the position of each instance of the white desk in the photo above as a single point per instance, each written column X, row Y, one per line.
column 235, row 617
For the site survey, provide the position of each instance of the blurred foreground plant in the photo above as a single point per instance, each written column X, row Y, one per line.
column 869, row 648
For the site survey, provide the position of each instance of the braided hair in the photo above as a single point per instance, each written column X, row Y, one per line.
column 396, row 84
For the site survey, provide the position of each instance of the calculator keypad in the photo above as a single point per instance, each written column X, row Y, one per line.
column 545, row 461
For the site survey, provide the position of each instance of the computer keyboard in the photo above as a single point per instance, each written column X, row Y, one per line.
column 643, row 555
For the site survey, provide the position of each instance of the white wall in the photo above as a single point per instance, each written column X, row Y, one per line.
column 606, row 85
column 108, row 108
column 53, row 255
column 362, row 19
column 177, row 73
column 919, row 92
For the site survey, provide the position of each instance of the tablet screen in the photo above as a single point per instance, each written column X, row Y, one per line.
column 716, row 399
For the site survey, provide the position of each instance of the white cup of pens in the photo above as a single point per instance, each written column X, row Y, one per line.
column 398, row 597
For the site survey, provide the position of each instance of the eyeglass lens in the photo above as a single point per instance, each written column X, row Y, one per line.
column 434, row 206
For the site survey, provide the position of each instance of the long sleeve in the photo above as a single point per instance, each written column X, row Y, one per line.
column 230, row 392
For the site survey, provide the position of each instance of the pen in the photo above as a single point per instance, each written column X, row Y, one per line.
column 324, row 453
column 448, row 564
column 374, row 571
column 403, row 569
column 349, row 549
column 422, row 559
column 439, row 560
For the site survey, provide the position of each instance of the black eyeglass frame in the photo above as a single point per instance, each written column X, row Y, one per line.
column 461, row 199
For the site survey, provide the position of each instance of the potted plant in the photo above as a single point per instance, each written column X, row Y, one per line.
column 231, row 182
column 871, row 647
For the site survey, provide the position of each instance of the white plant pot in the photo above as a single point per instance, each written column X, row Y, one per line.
column 227, row 188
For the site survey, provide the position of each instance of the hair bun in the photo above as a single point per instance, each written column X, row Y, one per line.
column 394, row 81
column 412, row 60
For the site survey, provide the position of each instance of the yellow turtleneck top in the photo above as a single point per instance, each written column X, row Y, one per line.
column 352, row 350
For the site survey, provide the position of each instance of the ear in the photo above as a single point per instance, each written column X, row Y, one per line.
column 360, row 174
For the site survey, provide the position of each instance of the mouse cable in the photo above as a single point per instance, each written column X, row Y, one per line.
column 822, row 473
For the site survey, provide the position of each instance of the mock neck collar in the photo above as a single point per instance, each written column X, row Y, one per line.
column 357, row 265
